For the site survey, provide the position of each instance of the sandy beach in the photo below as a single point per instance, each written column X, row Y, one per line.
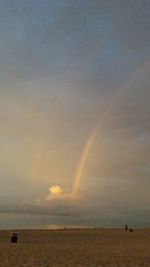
column 76, row 247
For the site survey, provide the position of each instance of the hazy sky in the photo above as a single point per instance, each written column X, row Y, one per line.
column 63, row 65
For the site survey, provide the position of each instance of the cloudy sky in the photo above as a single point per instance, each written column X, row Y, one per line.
column 69, row 68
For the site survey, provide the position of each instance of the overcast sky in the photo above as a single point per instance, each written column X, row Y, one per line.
column 63, row 65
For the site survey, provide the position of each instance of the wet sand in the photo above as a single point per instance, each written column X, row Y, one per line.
column 76, row 247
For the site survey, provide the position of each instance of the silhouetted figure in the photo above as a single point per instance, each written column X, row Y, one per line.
column 126, row 227
column 14, row 237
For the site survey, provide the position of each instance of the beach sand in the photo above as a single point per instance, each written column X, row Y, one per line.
column 76, row 247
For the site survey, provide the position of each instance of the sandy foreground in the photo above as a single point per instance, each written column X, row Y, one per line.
column 95, row 248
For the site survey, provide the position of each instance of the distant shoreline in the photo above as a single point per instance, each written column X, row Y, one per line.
column 74, row 229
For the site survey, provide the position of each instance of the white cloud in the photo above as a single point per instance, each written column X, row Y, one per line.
column 58, row 193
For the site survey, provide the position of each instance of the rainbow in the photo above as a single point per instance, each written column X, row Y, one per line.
column 91, row 138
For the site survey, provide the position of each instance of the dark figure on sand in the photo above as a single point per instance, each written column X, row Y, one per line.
column 128, row 229
column 14, row 237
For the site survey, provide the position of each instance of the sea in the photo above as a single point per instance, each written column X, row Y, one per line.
column 34, row 221
column 11, row 220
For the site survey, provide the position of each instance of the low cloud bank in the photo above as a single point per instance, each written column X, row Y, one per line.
column 58, row 193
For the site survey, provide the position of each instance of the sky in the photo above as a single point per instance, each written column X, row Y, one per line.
column 74, row 112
